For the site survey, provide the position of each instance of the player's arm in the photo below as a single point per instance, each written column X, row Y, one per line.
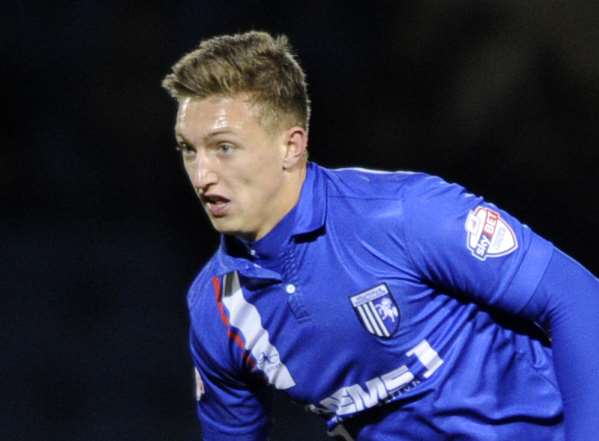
column 459, row 241
column 229, row 407
column 567, row 302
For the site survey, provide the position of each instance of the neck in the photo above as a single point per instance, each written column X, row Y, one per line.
column 289, row 196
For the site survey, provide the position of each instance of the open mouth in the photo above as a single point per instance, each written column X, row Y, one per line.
column 216, row 205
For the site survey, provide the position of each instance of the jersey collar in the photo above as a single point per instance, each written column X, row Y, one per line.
column 312, row 205
column 308, row 216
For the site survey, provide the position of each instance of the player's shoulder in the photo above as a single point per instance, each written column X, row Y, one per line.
column 203, row 286
column 208, row 331
column 368, row 183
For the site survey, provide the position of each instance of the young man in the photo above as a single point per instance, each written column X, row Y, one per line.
column 398, row 306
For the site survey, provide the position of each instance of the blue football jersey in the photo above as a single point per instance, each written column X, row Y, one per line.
column 392, row 304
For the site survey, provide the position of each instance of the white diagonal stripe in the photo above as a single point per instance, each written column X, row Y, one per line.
column 373, row 321
column 245, row 317
column 378, row 319
column 365, row 319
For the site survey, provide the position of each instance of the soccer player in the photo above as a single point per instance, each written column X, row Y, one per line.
column 396, row 305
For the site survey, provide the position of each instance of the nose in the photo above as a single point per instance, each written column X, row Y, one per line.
column 202, row 175
column 204, row 180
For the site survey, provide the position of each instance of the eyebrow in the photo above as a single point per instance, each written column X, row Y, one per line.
column 183, row 140
column 218, row 132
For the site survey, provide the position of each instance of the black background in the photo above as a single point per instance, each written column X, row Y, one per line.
column 102, row 234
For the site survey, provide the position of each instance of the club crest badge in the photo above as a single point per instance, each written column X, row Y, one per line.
column 488, row 234
column 377, row 310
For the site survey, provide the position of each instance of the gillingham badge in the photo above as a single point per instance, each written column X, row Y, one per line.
column 488, row 234
column 377, row 310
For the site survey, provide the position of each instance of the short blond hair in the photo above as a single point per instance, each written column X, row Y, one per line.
column 253, row 63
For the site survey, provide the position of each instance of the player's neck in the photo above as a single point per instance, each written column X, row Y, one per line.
column 283, row 203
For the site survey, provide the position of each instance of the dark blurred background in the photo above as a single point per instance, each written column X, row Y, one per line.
column 101, row 233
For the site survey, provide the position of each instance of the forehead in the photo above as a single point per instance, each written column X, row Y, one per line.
column 199, row 117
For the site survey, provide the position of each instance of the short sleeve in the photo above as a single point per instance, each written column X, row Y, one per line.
column 460, row 242
column 228, row 408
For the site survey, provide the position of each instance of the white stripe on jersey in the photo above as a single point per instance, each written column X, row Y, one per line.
column 365, row 319
column 378, row 319
column 245, row 317
column 374, row 171
column 371, row 320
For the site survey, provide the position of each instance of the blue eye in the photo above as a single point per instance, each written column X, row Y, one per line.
column 185, row 149
column 225, row 148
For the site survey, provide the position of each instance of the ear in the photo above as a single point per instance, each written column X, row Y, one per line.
column 296, row 143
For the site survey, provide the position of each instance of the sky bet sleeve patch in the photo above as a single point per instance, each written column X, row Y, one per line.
column 488, row 234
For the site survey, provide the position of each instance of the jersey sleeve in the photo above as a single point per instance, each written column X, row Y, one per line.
column 460, row 242
column 229, row 406
column 567, row 302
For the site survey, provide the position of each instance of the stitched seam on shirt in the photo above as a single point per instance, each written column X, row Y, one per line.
column 537, row 285
column 366, row 198
column 402, row 231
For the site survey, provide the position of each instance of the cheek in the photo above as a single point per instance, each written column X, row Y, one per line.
column 257, row 189
column 189, row 170
column 255, row 180
column 269, row 183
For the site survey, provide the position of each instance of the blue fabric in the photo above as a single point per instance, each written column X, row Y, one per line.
column 395, row 304
column 567, row 302
column 228, row 400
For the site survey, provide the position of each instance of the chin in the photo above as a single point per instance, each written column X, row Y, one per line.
column 229, row 228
